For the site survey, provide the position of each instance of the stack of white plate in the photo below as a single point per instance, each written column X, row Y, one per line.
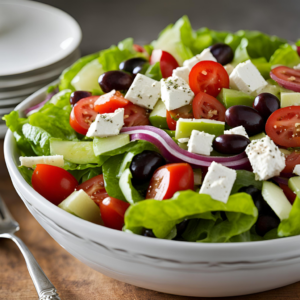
column 37, row 42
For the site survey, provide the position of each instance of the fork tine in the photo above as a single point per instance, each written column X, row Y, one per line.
column 4, row 212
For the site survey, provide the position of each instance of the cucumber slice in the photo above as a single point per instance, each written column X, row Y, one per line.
column 197, row 176
column 87, row 77
column 81, row 205
column 290, row 99
column 285, row 151
column 232, row 97
column 59, row 95
column 277, row 200
column 158, row 117
column 269, row 88
column 102, row 145
column 294, row 184
column 257, row 136
column 74, row 152
column 185, row 127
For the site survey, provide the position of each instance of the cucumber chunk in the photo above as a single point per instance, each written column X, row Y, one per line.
column 290, row 99
column 294, row 184
column 277, row 200
column 232, row 97
column 257, row 136
column 158, row 117
column 74, row 152
column 185, row 127
column 81, row 205
column 102, row 145
column 197, row 176
column 269, row 88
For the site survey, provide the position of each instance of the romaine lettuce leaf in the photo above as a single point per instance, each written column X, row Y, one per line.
column 285, row 55
column 26, row 173
column 243, row 179
column 162, row 216
column 154, row 72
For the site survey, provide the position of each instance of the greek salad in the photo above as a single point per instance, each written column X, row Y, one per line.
column 194, row 137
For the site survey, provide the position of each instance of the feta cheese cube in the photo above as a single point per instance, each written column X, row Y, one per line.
column 297, row 67
column 246, row 78
column 229, row 68
column 240, row 130
column 218, row 182
column 144, row 91
column 182, row 72
column 107, row 124
column 265, row 157
column 32, row 161
column 175, row 92
column 204, row 55
column 200, row 142
column 297, row 170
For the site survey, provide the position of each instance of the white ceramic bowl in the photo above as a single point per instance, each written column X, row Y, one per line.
column 181, row 268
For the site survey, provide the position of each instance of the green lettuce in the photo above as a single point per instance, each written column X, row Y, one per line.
column 162, row 216
column 285, row 55
column 154, row 72
column 243, row 179
column 26, row 173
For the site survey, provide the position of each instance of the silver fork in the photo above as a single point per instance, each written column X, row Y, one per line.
column 43, row 286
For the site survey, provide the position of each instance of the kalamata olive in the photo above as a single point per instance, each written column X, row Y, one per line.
column 266, row 223
column 144, row 165
column 115, row 80
column 246, row 116
column 230, row 143
column 130, row 64
column 222, row 52
column 148, row 233
column 181, row 227
column 266, row 104
column 78, row 95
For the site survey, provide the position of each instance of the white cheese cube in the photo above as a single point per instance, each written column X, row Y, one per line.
column 182, row 72
column 200, row 142
column 240, row 130
column 144, row 91
column 218, row 182
column 175, row 92
column 265, row 157
column 229, row 68
column 32, row 161
column 297, row 170
column 204, row 55
column 107, row 124
column 297, row 67
column 246, row 78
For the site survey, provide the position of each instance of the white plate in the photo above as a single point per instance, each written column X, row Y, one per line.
column 34, row 35
column 12, row 101
column 7, row 110
column 46, row 74
column 3, row 130
column 19, row 93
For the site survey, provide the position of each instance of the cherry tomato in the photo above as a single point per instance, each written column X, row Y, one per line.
column 287, row 77
column 135, row 115
column 288, row 193
column 140, row 49
column 283, row 126
column 208, row 107
column 83, row 114
column 112, row 212
column 169, row 179
column 167, row 62
column 94, row 187
column 291, row 161
column 108, row 103
column 53, row 183
column 209, row 77
column 185, row 112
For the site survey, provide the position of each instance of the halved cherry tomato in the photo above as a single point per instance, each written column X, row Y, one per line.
column 287, row 77
column 135, row 115
column 140, row 49
column 53, row 183
column 167, row 62
column 83, row 114
column 208, row 107
column 169, row 179
column 185, row 112
column 283, row 126
column 94, row 187
column 109, row 102
column 112, row 212
column 288, row 193
column 291, row 161
column 208, row 77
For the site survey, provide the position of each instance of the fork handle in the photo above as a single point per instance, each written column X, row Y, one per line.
column 43, row 285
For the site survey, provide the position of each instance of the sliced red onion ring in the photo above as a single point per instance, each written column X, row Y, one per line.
column 41, row 104
column 281, row 180
column 287, row 175
column 286, row 84
column 173, row 153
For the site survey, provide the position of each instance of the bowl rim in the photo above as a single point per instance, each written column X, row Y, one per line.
column 131, row 239
column 77, row 33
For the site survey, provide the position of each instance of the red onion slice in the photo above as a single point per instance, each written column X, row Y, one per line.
column 173, row 153
column 281, row 180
